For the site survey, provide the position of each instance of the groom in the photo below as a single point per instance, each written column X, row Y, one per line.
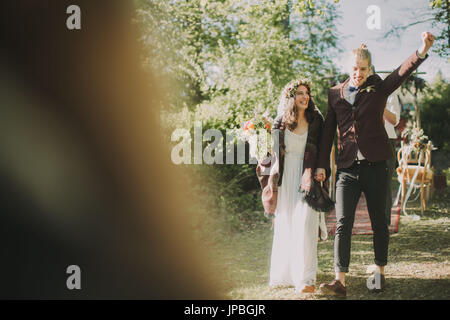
column 356, row 108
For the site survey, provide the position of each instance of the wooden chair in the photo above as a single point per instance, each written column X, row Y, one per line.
column 415, row 170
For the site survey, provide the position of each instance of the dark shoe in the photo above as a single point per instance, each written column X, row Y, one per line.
column 376, row 285
column 335, row 288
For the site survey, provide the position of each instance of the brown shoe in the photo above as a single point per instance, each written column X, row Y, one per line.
column 307, row 289
column 335, row 288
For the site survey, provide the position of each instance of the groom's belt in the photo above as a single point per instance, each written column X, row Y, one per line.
column 366, row 162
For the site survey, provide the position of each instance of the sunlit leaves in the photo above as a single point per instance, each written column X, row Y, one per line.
column 229, row 59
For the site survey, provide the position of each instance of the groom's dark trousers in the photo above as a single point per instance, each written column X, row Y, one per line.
column 370, row 178
column 360, row 127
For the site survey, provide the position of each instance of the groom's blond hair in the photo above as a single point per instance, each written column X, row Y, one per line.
column 362, row 53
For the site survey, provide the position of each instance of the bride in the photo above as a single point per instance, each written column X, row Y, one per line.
column 296, row 224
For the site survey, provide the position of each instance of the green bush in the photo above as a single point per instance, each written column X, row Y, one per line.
column 435, row 115
column 225, row 62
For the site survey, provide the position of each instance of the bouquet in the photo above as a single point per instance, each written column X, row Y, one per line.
column 257, row 132
column 415, row 138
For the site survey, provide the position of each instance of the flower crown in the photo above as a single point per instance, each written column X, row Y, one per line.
column 293, row 86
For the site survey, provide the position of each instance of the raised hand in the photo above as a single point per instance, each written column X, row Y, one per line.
column 427, row 42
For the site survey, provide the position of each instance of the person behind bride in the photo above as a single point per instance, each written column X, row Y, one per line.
column 297, row 127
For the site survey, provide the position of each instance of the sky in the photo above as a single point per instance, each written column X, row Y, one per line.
column 387, row 54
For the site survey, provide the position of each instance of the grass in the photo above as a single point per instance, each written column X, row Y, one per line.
column 418, row 267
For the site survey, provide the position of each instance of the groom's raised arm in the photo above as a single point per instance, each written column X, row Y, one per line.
column 395, row 79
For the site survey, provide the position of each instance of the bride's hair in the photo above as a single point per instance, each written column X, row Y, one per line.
column 290, row 112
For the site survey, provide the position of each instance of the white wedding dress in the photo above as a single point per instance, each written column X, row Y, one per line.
column 296, row 226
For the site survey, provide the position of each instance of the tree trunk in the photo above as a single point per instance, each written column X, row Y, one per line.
column 416, row 106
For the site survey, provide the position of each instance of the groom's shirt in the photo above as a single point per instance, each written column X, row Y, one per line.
column 350, row 95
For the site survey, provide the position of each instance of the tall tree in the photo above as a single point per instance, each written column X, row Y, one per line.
column 230, row 58
column 276, row 43
column 414, row 85
column 179, row 36
column 435, row 113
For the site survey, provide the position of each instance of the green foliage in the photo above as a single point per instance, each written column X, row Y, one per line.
column 226, row 198
column 230, row 59
column 276, row 45
column 225, row 61
column 441, row 12
column 178, row 37
column 436, row 113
